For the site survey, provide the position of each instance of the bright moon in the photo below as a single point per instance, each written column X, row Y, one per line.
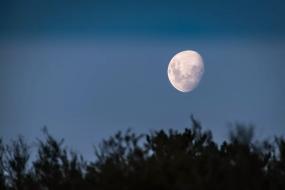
column 185, row 70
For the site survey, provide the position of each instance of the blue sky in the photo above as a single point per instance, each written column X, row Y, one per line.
column 86, row 70
column 160, row 18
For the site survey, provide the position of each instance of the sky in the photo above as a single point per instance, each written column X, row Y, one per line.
column 88, row 69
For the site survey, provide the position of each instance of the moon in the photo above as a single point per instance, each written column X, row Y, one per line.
column 185, row 70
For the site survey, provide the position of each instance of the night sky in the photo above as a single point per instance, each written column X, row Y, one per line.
column 86, row 69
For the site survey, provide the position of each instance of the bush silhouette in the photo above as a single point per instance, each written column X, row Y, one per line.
column 159, row 160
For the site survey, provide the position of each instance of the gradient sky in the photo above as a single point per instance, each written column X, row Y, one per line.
column 88, row 69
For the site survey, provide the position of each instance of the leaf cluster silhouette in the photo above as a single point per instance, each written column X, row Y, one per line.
column 159, row 160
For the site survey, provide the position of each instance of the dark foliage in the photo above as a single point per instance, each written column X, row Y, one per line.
column 159, row 160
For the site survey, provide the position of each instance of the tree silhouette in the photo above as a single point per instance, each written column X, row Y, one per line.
column 162, row 160
column 55, row 167
column 15, row 164
column 2, row 174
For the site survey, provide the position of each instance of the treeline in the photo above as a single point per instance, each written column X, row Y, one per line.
column 159, row 160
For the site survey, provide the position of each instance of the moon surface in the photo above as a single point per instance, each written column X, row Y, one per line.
column 185, row 70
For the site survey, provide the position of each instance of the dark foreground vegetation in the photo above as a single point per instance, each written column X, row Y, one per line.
column 160, row 160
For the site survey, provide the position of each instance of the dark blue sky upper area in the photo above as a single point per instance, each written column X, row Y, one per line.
column 86, row 69
column 205, row 17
